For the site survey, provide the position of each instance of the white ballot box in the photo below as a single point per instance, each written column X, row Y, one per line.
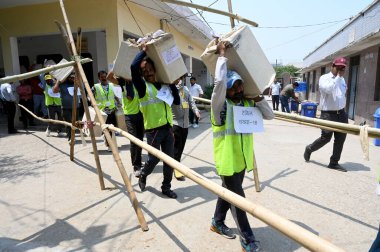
column 123, row 61
column 246, row 58
column 62, row 73
column 167, row 58
column 97, row 129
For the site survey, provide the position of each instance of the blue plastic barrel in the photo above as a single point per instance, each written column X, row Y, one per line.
column 377, row 125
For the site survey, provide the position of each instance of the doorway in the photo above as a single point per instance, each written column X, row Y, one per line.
column 353, row 81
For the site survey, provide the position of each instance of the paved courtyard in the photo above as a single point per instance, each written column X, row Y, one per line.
column 49, row 203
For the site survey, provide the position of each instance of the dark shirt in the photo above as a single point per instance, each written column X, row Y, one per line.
column 140, row 84
column 288, row 91
column 67, row 99
column 128, row 87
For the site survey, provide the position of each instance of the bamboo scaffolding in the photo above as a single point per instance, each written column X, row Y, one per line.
column 112, row 144
column 288, row 228
column 204, row 8
column 41, row 71
column 85, row 105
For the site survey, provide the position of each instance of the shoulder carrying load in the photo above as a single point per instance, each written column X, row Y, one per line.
column 124, row 58
column 97, row 129
column 62, row 73
column 245, row 57
column 165, row 54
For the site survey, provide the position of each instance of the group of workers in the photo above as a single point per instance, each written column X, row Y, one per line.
column 165, row 124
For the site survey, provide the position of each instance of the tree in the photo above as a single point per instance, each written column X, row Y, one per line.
column 289, row 68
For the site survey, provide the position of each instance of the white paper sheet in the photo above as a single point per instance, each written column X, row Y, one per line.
column 248, row 119
column 164, row 94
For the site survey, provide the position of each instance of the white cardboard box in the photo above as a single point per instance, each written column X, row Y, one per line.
column 123, row 61
column 62, row 73
column 97, row 129
column 246, row 58
column 167, row 58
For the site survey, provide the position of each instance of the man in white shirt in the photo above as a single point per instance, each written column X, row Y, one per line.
column 274, row 91
column 195, row 91
column 333, row 101
column 8, row 95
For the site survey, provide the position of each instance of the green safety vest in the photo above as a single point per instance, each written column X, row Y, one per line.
column 51, row 100
column 233, row 152
column 102, row 98
column 131, row 107
column 155, row 111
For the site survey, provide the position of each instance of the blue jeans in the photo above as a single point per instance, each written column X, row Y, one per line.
column 39, row 103
column 284, row 103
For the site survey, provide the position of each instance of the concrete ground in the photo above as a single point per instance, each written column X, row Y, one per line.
column 49, row 203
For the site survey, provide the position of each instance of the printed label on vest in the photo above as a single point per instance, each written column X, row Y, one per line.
column 248, row 119
column 52, row 94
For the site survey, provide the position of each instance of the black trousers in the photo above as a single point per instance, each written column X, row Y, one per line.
column 192, row 117
column 275, row 101
column 162, row 137
column 326, row 136
column 234, row 183
column 135, row 127
column 67, row 116
column 10, row 108
column 180, row 136
column 25, row 116
column 52, row 111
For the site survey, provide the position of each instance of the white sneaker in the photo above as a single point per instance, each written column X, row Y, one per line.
column 195, row 126
column 61, row 134
column 47, row 132
column 109, row 149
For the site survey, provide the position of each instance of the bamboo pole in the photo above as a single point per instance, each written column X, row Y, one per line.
column 315, row 122
column 74, row 117
column 315, row 126
column 256, row 175
column 349, row 128
column 232, row 21
column 48, row 120
column 115, row 152
column 204, row 8
column 40, row 71
column 288, row 228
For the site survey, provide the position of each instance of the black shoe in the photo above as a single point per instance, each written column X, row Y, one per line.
column 306, row 154
column 142, row 182
column 182, row 178
column 14, row 131
column 137, row 171
column 170, row 194
column 336, row 167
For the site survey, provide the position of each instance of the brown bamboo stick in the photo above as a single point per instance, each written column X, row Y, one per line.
column 323, row 124
column 115, row 152
column 48, row 120
column 74, row 117
column 288, row 228
column 372, row 132
column 314, row 125
column 204, row 8
column 40, row 71
column 256, row 175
